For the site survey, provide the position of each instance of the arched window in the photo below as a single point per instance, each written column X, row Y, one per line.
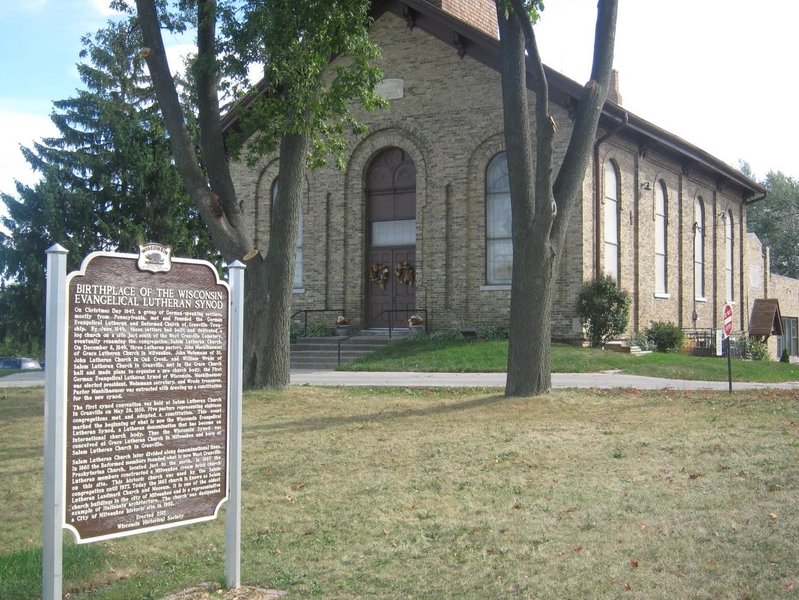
column 499, row 241
column 297, row 285
column 699, row 249
column 661, row 240
column 611, row 221
column 729, row 262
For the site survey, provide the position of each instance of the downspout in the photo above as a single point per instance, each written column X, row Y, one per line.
column 597, row 192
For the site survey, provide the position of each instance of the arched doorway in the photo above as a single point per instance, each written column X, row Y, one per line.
column 391, row 235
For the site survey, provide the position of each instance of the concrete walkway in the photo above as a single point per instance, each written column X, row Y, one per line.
column 610, row 379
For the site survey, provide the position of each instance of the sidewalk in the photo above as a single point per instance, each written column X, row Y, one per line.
column 609, row 379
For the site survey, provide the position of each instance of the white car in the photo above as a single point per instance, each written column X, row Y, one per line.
column 15, row 362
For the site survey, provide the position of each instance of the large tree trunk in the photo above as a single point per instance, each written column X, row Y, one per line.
column 269, row 281
column 540, row 208
column 529, row 359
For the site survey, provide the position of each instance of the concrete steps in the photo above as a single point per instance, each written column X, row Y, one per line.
column 322, row 352
column 626, row 347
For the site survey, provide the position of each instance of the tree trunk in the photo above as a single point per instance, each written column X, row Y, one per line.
column 540, row 209
column 269, row 281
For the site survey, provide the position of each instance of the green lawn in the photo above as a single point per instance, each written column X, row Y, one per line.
column 461, row 494
column 430, row 355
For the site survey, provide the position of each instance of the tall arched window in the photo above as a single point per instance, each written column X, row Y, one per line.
column 611, row 221
column 699, row 249
column 499, row 241
column 661, row 240
column 297, row 285
column 729, row 262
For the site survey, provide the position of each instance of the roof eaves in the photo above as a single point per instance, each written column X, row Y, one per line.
column 563, row 90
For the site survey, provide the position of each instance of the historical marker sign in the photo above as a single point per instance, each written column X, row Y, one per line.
column 147, row 393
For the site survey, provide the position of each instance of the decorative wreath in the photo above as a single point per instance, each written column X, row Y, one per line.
column 378, row 273
column 404, row 272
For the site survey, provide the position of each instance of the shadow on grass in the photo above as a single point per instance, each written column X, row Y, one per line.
column 321, row 423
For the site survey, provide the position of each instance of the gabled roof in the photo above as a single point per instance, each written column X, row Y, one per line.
column 766, row 318
column 466, row 39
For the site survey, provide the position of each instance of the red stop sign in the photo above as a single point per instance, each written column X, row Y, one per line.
column 727, row 319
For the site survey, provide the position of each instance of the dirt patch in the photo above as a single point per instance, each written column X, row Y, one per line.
column 211, row 591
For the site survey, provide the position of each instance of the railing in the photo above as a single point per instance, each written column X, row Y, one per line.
column 304, row 312
column 702, row 342
column 391, row 326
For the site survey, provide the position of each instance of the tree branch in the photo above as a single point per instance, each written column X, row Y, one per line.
column 589, row 109
column 230, row 240
column 545, row 124
column 211, row 137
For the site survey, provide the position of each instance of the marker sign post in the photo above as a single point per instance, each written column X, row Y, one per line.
column 727, row 331
column 148, row 394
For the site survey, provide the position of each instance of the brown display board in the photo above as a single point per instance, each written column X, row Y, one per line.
column 147, row 394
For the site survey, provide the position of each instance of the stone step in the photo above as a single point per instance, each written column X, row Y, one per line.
column 323, row 352
column 626, row 347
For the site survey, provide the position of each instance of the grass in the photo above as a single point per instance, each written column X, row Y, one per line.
column 400, row 493
column 431, row 355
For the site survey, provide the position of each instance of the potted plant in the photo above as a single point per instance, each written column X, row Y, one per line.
column 415, row 324
column 343, row 325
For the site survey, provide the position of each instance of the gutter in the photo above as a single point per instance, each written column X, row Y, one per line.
column 597, row 190
column 751, row 201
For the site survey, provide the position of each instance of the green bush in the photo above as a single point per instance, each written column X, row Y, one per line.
column 315, row 329
column 604, row 309
column 784, row 358
column 747, row 348
column 494, row 332
column 758, row 350
column 644, row 343
column 446, row 335
column 666, row 336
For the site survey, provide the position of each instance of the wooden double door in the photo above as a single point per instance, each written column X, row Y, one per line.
column 391, row 235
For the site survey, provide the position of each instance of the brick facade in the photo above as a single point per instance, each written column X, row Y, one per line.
column 482, row 14
column 448, row 117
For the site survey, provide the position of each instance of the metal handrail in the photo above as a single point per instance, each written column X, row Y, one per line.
column 389, row 311
column 314, row 310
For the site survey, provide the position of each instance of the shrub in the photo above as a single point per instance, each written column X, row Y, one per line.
column 644, row 343
column 784, row 358
column 315, row 329
column 604, row 309
column 666, row 336
column 446, row 335
column 494, row 332
column 758, row 349
column 748, row 348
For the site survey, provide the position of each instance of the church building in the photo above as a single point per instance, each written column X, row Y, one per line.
column 419, row 220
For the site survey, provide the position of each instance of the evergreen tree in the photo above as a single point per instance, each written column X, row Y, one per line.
column 108, row 183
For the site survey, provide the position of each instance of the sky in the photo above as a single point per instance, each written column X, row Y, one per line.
column 717, row 73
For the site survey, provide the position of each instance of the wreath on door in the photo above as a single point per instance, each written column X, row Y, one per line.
column 404, row 272
column 378, row 274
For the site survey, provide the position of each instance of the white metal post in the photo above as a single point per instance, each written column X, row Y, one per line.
column 235, row 362
column 54, row 403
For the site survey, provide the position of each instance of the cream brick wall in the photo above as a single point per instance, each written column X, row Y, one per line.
column 449, row 120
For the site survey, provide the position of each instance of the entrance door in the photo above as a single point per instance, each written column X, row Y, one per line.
column 391, row 214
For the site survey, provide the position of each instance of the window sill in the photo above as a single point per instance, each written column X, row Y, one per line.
column 298, row 291
column 700, row 299
column 663, row 296
column 495, row 288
